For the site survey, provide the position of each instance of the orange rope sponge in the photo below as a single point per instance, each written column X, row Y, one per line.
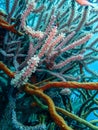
column 57, row 118
column 6, row 70
column 4, row 24
column 69, row 84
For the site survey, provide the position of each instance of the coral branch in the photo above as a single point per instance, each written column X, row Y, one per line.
column 28, row 29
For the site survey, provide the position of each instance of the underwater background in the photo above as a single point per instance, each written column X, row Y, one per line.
column 49, row 65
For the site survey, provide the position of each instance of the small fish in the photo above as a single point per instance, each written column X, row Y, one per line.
column 85, row 3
